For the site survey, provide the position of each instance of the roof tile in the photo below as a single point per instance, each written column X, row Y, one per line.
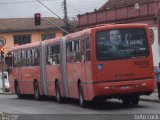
column 27, row 24
column 111, row 4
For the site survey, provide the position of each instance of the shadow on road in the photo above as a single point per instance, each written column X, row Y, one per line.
column 110, row 104
column 106, row 105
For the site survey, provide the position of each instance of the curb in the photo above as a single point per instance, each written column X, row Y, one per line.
column 149, row 100
column 6, row 93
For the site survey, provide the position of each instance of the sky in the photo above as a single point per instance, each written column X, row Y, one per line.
column 27, row 8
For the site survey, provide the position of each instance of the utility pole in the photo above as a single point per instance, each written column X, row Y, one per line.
column 52, row 23
column 65, row 16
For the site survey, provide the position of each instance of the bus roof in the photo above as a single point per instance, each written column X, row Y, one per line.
column 101, row 26
column 53, row 40
column 120, row 25
column 29, row 45
column 78, row 34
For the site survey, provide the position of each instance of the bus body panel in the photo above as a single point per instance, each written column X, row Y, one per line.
column 52, row 74
column 24, row 75
column 120, row 89
column 14, row 76
column 99, row 78
column 43, row 67
column 27, row 80
column 76, row 71
column 28, row 75
column 57, row 72
column 119, row 70
column 124, row 71
column 88, row 78
column 63, row 71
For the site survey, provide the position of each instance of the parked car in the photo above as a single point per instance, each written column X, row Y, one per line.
column 6, row 81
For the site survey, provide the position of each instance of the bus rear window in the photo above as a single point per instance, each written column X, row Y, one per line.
column 121, row 43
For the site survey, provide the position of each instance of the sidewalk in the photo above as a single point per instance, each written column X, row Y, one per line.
column 151, row 98
column 6, row 93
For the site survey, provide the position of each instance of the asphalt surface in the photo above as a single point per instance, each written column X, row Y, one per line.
column 46, row 109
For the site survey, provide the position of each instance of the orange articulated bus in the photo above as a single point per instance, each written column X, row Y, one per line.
column 108, row 61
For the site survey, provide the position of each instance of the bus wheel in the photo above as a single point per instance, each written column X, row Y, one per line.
column 135, row 100
column 17, row 90
column 82, row 102
column 58, row 93
column 36, row 91
column 126, row 101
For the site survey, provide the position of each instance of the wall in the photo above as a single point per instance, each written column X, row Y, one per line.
column 35, row 37
column 125, row 14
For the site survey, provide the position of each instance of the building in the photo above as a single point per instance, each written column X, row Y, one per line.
column 128, row 11
column 123, row 11
column 112, row 4
column 18, row 31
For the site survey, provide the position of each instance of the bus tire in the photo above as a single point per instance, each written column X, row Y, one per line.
column 135, row 100
column 82, row 102
column 17, row 91
column 58, row 93
column 126, row 101
column 36, row 91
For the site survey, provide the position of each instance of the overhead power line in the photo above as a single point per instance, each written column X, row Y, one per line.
column 50, row 10
column 52, row 23
column 34, row 1
column 78, row 8
column 15, row 2
column 74, row 8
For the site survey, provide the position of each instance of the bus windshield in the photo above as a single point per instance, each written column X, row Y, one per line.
column 121, row 44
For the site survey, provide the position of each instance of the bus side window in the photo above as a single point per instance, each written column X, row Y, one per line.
column 33, row 57
column 23, row 58
column 9, row 59
column 54, row 59
column 49, row 54
column 19, row 58
column 82, row 50
column 72, row 53
column 56, row 54
column 68, row 51
column 77, row 53
column 14, row 59
column 53, row 54
column 28, row 60
column 37, row 56
column 88, row 49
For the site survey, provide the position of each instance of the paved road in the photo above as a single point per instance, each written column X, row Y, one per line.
column 10, row 104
